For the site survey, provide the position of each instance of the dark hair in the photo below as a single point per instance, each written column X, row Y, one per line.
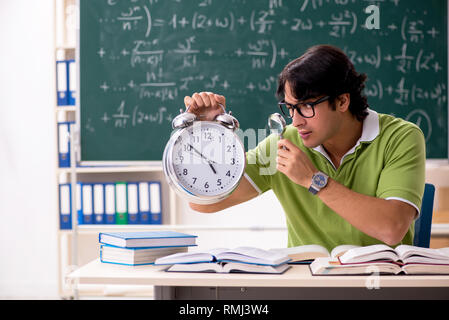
column 324, row 69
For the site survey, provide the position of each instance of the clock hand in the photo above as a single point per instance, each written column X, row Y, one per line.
column 208, row 161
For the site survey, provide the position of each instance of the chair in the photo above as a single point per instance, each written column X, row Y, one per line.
column 423, row 224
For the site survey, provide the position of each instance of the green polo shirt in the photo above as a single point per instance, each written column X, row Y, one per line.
column 387, row 162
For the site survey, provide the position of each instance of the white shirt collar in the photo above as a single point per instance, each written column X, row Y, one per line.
column 370, row 131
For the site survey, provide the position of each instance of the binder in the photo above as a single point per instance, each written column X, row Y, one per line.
column 155, row 202
column 98, row 191
column 65, row 206
column 64, row 144
column 61, row 82
column 133, row 203
column 144, row 202
column 87, row 201
column 71, row 91
column 121, row 205
column 109, row 203
column 79, row 203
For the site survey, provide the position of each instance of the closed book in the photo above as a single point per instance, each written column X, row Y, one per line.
column 147, row 239
column 136, row 256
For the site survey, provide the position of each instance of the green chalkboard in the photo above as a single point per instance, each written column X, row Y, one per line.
column 138, row 59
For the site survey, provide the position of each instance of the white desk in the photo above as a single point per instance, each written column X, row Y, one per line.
column 295, row 283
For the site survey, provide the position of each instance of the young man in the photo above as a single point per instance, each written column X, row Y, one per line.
column 345, row 174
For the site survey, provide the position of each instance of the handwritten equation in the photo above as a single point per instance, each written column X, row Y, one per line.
column 155, row 52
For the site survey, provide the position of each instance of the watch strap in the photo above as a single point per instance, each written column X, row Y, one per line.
column 312, row 190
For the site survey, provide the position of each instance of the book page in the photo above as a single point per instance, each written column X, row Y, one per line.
column 253, row 255
column 191, row 257
column 410, row 254
column 341, row 249
column 369, row 253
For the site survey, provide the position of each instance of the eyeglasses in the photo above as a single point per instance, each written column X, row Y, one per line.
column 305, row 109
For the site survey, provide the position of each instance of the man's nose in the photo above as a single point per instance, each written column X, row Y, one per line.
column 298, row 120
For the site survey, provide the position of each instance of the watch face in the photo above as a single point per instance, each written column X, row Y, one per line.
column 319, row 180
column 207, row 159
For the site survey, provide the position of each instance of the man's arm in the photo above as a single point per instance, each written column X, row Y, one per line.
column 244, row 192
column 385, row 220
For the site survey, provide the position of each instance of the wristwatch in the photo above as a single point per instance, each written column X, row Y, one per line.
column 319, row 181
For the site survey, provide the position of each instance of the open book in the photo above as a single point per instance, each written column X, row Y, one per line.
column 307, row 253
column 227, row 267
column 227, row 260
column 383, row 259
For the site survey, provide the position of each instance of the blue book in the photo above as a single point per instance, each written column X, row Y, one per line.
column 147, row 239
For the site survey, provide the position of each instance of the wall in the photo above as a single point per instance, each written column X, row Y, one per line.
column 28, row 267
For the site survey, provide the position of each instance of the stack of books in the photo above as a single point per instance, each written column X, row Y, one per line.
column 223, row 260
column 140, row 248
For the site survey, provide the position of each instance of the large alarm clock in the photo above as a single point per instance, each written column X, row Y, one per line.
column 204, row 161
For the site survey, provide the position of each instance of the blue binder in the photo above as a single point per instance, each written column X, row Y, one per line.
column 144, row 202
column 109, row 203
column 65, row 206
column 87, row 202
column 61, row 82
column 64, row 144
column 98, row 202
column 79, row 203
column 71, row 82
column 133, row 203
column 155, row 202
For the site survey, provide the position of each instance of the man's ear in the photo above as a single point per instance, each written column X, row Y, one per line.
column 342, row 102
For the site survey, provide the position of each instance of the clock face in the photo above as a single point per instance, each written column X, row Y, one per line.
column 207, row 159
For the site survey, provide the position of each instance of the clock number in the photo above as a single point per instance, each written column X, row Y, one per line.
column 187, row 147
column 219, row 182
column 232, row 161
column 206, row 185
column 207, row 136
column 228, row 148
column 194, row 180
column 228, row 173
column 184, row 172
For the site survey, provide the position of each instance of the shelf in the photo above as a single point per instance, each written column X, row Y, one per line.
column 65, row 47
column 440, row 229
column 65, row 108
column 112, row 169
column 87, row 229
